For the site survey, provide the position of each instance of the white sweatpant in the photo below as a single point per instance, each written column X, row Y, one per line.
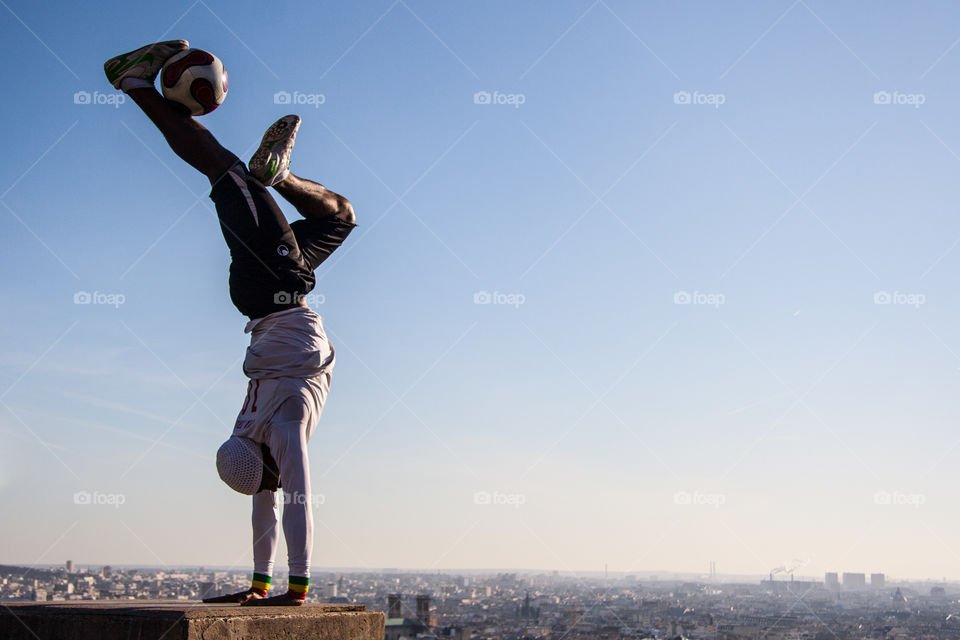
column 290, row 364
column 287, row 439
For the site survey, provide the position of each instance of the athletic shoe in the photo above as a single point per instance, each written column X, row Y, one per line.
column 144, row 63
column 241, row 597
column 288, row 599
column 270, row 163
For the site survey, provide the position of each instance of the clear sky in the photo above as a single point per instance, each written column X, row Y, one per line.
column 785, row 168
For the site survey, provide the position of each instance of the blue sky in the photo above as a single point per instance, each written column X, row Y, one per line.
column 784, row 167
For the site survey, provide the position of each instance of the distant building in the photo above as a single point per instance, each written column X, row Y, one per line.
column 528, row 612
column 396, row 628
column 423, row 609
column 208, row 590
column 735, row 631
column 938, row 593
column 328, row 591
column 69, row 566
column 399, row 627
column 854, row 581
column 394, row 608
column 878, row 580
column 899, row 601
column 796, row 587
column 831, row 580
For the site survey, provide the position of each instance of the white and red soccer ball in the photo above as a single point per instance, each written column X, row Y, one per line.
column 196, row 79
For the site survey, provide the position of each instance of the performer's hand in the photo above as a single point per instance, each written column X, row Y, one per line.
column 241, row 597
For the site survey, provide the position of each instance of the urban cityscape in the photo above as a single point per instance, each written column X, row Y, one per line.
column 558, row 606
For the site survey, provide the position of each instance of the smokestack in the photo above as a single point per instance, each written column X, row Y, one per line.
column 394, row 609
column 423, row 609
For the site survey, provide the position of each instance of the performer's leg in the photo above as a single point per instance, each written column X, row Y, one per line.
column 135, row 72
column 314, row 201
column 289, row 432
column 188, row 138
column 266, row 532
column 270, row 164
column 295, row 476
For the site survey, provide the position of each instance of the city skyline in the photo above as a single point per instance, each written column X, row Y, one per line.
column 711, row 576
column 549, row 607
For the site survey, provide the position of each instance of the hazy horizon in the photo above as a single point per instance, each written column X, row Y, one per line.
column 649, row 575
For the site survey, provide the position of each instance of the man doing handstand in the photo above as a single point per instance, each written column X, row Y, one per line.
column 290, row 360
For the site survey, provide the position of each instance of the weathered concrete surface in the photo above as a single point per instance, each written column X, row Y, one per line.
column 185, row 620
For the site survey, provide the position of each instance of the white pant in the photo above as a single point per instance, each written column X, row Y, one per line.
column 290, row 364
column 287, row 439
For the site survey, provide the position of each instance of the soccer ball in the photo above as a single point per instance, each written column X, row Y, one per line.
column 196, row 79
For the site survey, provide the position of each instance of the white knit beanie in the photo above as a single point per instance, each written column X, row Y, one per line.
column 240, row 464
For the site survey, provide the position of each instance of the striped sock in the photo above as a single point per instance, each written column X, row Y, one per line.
column 299, row 585
column 261, row 583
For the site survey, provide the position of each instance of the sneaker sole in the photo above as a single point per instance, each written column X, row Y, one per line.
column 276, row 147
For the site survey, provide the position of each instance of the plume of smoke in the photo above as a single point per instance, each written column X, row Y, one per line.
column 789, row 566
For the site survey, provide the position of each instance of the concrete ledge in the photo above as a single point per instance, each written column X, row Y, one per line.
column 185, row 620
